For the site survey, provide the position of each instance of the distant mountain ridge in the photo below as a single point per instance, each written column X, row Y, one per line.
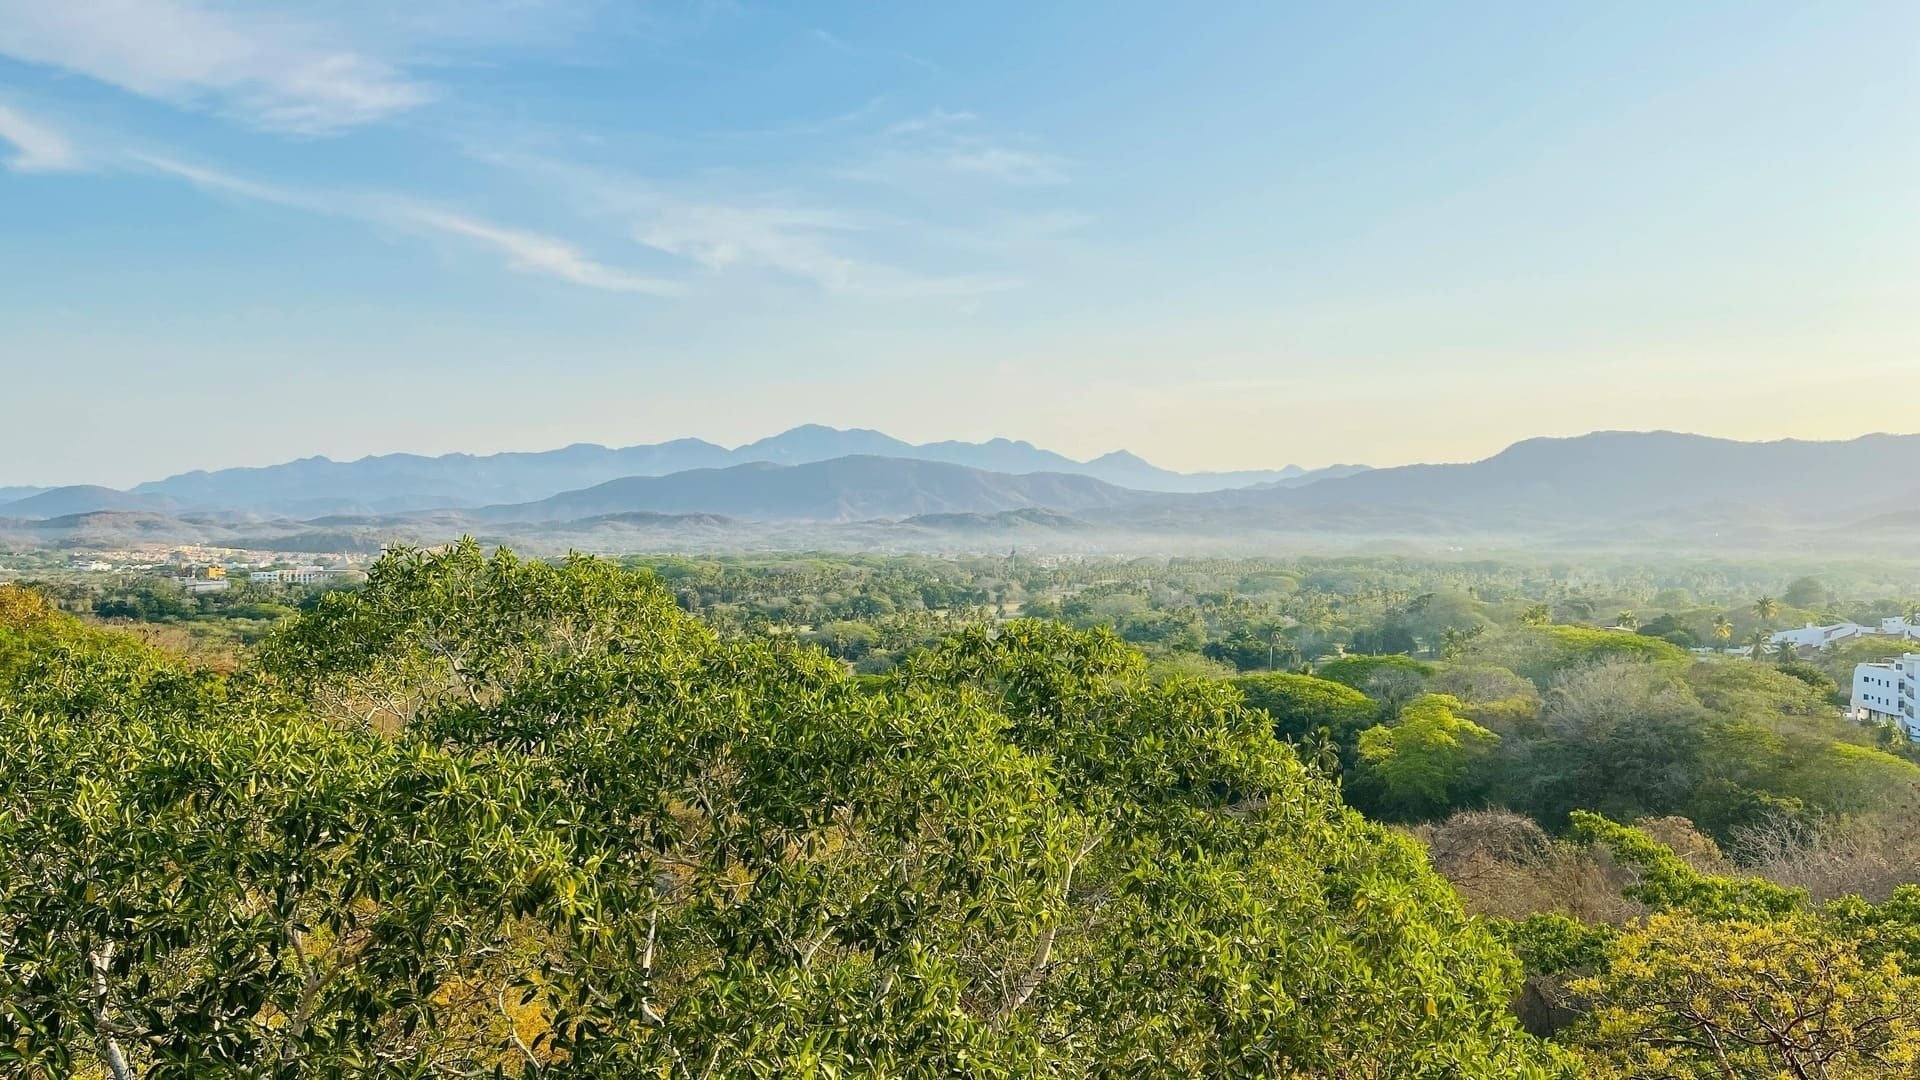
column 394, row 483
column 1605, row 490
column 86, row 499
column 853, row 488
column 1615, row 475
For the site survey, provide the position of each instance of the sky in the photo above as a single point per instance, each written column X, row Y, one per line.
column 1229, row 235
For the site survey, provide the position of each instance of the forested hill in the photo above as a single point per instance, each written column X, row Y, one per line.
column 842, row 489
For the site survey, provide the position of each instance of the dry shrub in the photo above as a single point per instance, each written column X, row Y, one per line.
column 1503, row 864
column 1866, row 855
column 1695, row 847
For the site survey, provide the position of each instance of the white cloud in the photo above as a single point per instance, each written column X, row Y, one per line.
column 799, row 241
column 941, row 141
column 525, row 252
column 37, row 148
column 273, row 72
column 538, row 254
column 1009, row 165
column 934, row 120
column 719, row 237
column 228, row 184
column 829, row 248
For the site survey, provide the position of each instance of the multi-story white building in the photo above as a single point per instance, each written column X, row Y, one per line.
column 1889, row 693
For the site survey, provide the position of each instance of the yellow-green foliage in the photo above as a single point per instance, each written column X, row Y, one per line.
column 1570, row 645
column 1683, row 996
column 1667, row 882
column 1420, row 759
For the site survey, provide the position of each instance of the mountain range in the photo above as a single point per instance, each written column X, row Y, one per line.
column 1602, row 490
column 391, row 483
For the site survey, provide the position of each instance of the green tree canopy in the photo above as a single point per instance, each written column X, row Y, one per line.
column 495, row 816
column 1300, row 705
column 1417, row 764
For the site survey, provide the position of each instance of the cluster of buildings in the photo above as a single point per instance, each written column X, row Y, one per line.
column 298, row 575
column 214, row 577
column 1884, row 692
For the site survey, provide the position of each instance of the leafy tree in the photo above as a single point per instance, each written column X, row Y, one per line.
column 1543, row 654
column 1683, row 996
column 1551, row 944
column 1618, row 736
column 1299, row 705
column 1820, row 681
column 1419, row 763
column 1805, row 592
column 1252, row 648
column 1357, row 671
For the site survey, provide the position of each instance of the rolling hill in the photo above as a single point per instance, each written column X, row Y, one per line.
column 86, row 499
column 843, row 489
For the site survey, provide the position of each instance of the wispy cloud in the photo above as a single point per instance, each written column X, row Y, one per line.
column 841, row 45
column 942, row 141
column 1007, row 164
column 797, row 241
column 269, row 70
column 229, row 184
column 524, row 251
column 37, row 148
column 771, row 232
column 539, row 254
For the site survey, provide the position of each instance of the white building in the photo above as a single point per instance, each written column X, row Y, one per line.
column 302, row 575
column 1889, row 693
column 1818, row 637
column 1896, row 626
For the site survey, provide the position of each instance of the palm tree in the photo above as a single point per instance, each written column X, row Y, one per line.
column 1536, row 615
column 1759, row 640
column 1627, row 620
column 1786, row 652
column 1322, row 754
column 1722, row 628
column 1766, row 607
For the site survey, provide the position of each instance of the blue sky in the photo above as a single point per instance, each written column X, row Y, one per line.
column 1221, row 235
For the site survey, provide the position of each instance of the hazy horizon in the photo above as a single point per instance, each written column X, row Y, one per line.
column 1241, row 241
column 6, row 481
